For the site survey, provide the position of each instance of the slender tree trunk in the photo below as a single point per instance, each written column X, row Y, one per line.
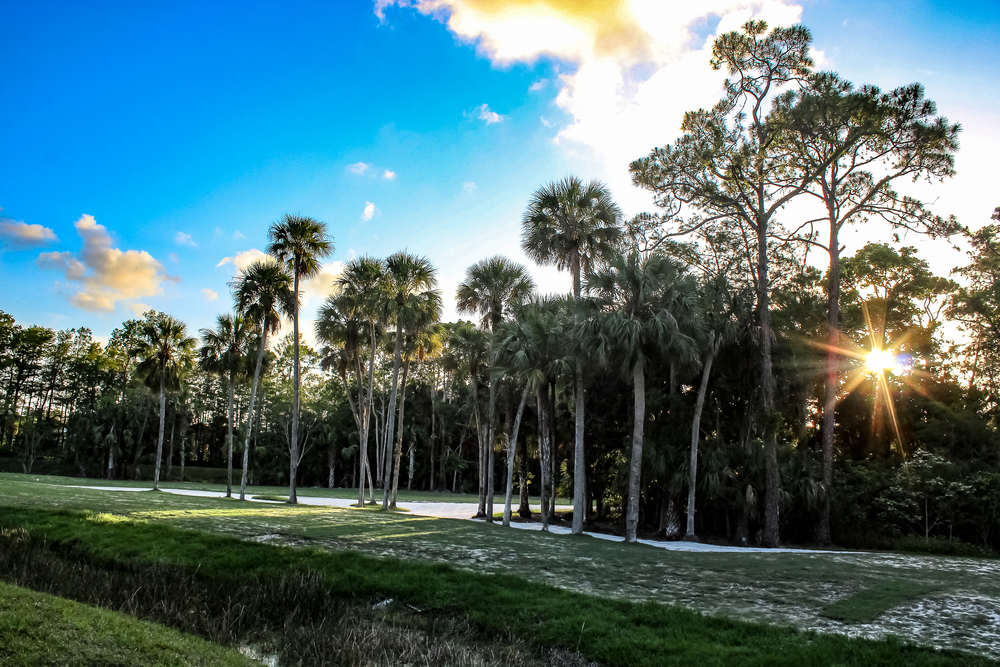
column 695, row 433
column 767, row 388
column 635, row 465
column 579, row 463
column 553, row 450
column 490, row 439
column 832, row 380
column 366, row 414
column 229, row 438
column 170, row 449
column 543, row 429
column 293, row 440
column 410, row 454
column 524, row 508
column 159, row 440
column 398, row 453
column 253, row 399
column 391, row 417
column 511, row 447
column 183, row 457
column 481, row 512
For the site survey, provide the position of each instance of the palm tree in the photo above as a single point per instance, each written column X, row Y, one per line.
column 574, row 226
column 715, row 312
column 409, row 298
column 300, row 243
column 260, row 294
column 491, row 287
column 470, row 347
column 165, row 350
column 360, row 310
column 640, row 298
column 424, row 338
column 515, row 349
column 224, row 352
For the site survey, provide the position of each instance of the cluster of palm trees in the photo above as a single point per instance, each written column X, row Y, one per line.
column 235, row 348
column 630, row 307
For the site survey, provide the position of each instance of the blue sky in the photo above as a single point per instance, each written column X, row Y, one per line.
column 184, row 129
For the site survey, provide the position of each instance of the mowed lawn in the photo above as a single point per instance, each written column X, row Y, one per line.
column 935, row 601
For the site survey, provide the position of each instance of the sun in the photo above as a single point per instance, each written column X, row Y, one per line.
column 880, row 360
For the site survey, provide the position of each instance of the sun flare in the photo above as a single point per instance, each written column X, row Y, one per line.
column 880, row 360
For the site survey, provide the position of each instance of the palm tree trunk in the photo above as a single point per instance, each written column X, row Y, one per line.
column 391, row 417
column 695, row 433
column 293, row 440
column 524, row 508
column 159, row 441
column 170, row 448
column 635, row 466
column 398, row 452
column 543, row 429
column 553, row 449
column 229, row 438
column 481, row 512
column 579, row 463
column 253, row 398
column 511, row 446
column 490, row 439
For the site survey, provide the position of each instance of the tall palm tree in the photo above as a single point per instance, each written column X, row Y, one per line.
column 223, row 352
column 261, row 293
column 470, row 348
column 165, row 350
column 641, row 298
column 361, row 288
column 573, row 226
column 717, row 326
column 491, row 287
column 299, row 242
column 410, row 295
column 423, row 338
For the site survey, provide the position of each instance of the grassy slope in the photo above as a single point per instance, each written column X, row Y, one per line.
column 613, row 631
column 38, row 629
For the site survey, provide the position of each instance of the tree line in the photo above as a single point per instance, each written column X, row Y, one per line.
column 700, row 377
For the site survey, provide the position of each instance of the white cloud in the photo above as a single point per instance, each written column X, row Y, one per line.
column 358, row 168
column 106, row 275
column 389, row 175
column 317, row 288
column 217, row 233
column 242, row 260
column 22, row 236
column 352, row 253
column 238, row 236
column 210, row 295
column 469, row 186
column 489, row 116
column 184, row 239
column 174, row 258
column 639, row 65
column 538, row 85
column 546, row 122
column 369, row 212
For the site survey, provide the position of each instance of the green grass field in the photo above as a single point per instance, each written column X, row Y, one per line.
column 38, row 629
column 944, row 602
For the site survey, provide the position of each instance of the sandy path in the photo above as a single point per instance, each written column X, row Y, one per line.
column 468, row 510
